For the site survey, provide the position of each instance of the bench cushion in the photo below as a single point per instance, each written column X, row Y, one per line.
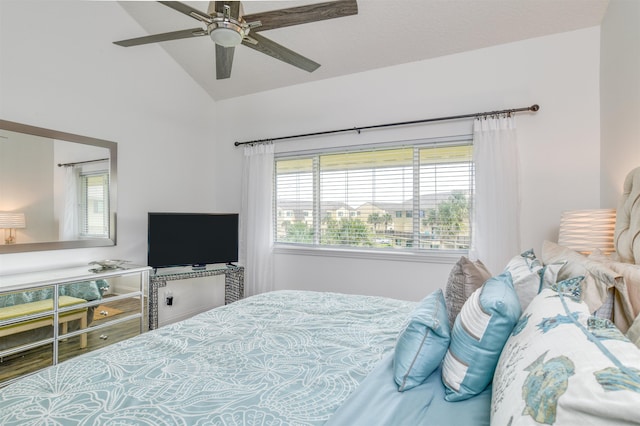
column 37, row 307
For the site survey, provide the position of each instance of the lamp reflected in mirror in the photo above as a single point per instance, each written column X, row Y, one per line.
column 10, row 221
column 71, row 206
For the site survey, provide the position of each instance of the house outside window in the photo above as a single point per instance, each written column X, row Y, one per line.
column 415, row 197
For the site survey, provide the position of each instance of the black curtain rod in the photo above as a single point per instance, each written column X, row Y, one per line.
column 533, row 108
column 81, row 162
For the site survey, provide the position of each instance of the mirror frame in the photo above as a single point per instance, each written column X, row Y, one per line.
column 113, row 162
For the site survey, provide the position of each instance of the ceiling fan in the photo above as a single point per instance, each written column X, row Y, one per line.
column 228, row 27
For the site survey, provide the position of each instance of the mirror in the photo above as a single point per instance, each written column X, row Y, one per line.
column 57, row 190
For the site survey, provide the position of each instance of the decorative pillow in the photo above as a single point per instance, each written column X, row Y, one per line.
column 20, row 297
column 633, row 333
column 529, row 276
column 477, row 338
column 598, row 277
column 87, row 290
column 465, row 278
column 627, row 300
column 423, row 343
column 562, row 367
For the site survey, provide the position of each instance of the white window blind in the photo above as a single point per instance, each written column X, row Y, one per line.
column 410, row 197
column 94, row 204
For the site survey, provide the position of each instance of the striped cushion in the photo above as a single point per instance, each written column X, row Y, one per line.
column 479, row 333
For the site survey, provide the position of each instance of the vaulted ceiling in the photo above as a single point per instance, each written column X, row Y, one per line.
column 384, row 33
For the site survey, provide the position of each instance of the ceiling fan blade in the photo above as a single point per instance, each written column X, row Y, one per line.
column 273, row 49
column 188, row 10
column 174, row 35
column 224, row 60
column 302, row 14
column 234, row 5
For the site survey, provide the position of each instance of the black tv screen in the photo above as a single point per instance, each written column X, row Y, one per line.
column 181, row 239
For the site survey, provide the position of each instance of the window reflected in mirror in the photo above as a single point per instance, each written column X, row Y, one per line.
column 62, row 184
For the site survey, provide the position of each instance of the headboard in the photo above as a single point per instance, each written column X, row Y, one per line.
column 627, row 232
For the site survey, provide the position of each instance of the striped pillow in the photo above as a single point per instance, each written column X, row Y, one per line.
column 479, row 333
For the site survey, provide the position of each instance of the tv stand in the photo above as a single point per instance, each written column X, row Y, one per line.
column 233, row 286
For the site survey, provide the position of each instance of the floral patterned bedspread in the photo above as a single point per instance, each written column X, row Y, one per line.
column 280, row 358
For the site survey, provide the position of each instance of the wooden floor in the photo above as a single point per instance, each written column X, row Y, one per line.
column 35, row 359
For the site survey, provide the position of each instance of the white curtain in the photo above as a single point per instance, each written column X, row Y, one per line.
column 496, row 215
column 69, row 228
column 256, row 222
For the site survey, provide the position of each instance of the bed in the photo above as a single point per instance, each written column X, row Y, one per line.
column 519, row 348
column 280, row 358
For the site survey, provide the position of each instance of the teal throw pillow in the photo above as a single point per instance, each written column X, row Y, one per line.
column 423, row 344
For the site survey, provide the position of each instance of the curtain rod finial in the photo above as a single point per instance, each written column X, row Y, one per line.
column 534, row 107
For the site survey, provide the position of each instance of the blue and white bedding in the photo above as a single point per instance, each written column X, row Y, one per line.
column 378, row 402
column 281, row 358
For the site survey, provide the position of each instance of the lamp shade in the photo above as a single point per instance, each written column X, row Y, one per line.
column 9, row 220
column 587, row 230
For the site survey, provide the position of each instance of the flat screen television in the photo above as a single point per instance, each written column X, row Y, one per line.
column 196, row 239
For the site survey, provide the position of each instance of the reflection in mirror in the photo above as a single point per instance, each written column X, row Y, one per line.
column 57, row 190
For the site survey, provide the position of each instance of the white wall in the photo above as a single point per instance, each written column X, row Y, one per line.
column 620, row 97
column 559, row 145
column 28, row 191
column 74, row 80
column 60, row 70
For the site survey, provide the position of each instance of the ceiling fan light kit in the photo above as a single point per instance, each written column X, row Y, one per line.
column 228, row 28
column 227, row 33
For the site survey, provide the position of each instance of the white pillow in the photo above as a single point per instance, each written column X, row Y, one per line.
column 633, row 333
column 598, row 281
column 626, row 293
column 529, row 276
column 562, row 367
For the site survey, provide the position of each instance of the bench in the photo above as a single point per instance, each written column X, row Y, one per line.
column 15, row 311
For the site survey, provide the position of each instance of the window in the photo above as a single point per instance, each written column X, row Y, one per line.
column 412, row 197
column 94, row 204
